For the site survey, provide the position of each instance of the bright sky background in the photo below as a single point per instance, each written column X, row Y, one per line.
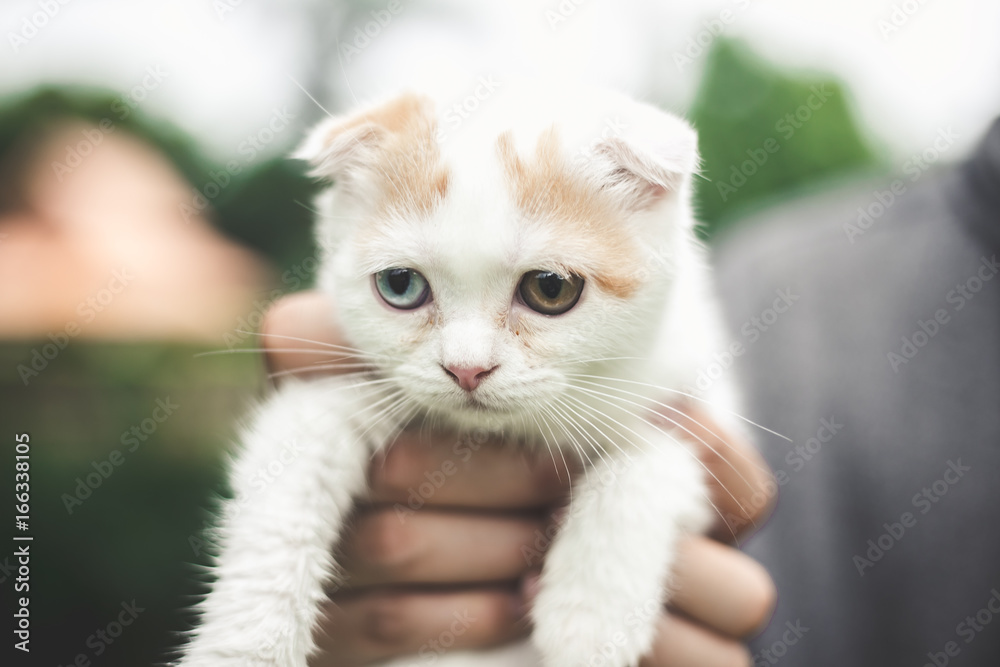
column 227, row 71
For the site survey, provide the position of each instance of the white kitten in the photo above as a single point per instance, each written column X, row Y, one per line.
column 531, row 272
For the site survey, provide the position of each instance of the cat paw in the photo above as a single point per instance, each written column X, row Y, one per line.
column 591, row 632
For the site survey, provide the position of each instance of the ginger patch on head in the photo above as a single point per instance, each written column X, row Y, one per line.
column 414, row 178
column 407, row 160
column 546, row 189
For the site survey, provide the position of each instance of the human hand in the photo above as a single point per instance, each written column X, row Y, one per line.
column 449, row 532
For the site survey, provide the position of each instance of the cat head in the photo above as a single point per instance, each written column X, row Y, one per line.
column 484, row 262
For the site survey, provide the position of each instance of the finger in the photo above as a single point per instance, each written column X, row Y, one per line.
column 740, row 482
column 681, row 643
column 385, row 624
column 297, row 332
column 468, row 472
column 721, row 587
column 388, row 547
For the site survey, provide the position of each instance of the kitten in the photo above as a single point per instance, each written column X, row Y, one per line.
column 532, row 272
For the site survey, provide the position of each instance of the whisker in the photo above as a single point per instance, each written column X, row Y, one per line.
column 548, row 446
column 604, row 435
column 598, row 448
column 316, row 211
column 674, row 410
column 264, row 350
column 336, row 363
column 333, row 346
column 565, row 421
column 706, row 495
column 597, row 395
column 403, row 414
column 313, row 369
column 413, row 410
column 586, row 407
column 576, row 446
column 681, row 393
column 395, row 401
column 366, row 383
column 597, row 359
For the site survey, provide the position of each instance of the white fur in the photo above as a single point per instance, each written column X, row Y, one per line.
column 642, row 488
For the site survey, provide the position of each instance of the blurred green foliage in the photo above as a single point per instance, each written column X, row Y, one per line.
column 120, row 490
column 271, row 209
column 765, row 132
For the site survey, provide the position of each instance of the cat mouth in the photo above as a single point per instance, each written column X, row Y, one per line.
column 474, row 403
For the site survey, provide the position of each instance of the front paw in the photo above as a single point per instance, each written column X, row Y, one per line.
column 592, row 630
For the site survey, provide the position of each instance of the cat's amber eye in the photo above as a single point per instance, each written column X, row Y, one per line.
column 550, row 293
column 402, row 288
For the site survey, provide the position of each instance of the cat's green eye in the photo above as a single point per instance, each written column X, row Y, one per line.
column 549, row 293
column 402, row 288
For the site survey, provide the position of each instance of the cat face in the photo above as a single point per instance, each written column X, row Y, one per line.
column 483, row 272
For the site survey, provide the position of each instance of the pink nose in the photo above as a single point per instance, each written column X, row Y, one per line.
column 468, row 377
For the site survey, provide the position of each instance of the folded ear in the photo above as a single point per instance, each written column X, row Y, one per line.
column 348, row 149
column 642, row 168
column 338, row 145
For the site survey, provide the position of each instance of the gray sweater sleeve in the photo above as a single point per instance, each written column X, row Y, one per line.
column 885, row 373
